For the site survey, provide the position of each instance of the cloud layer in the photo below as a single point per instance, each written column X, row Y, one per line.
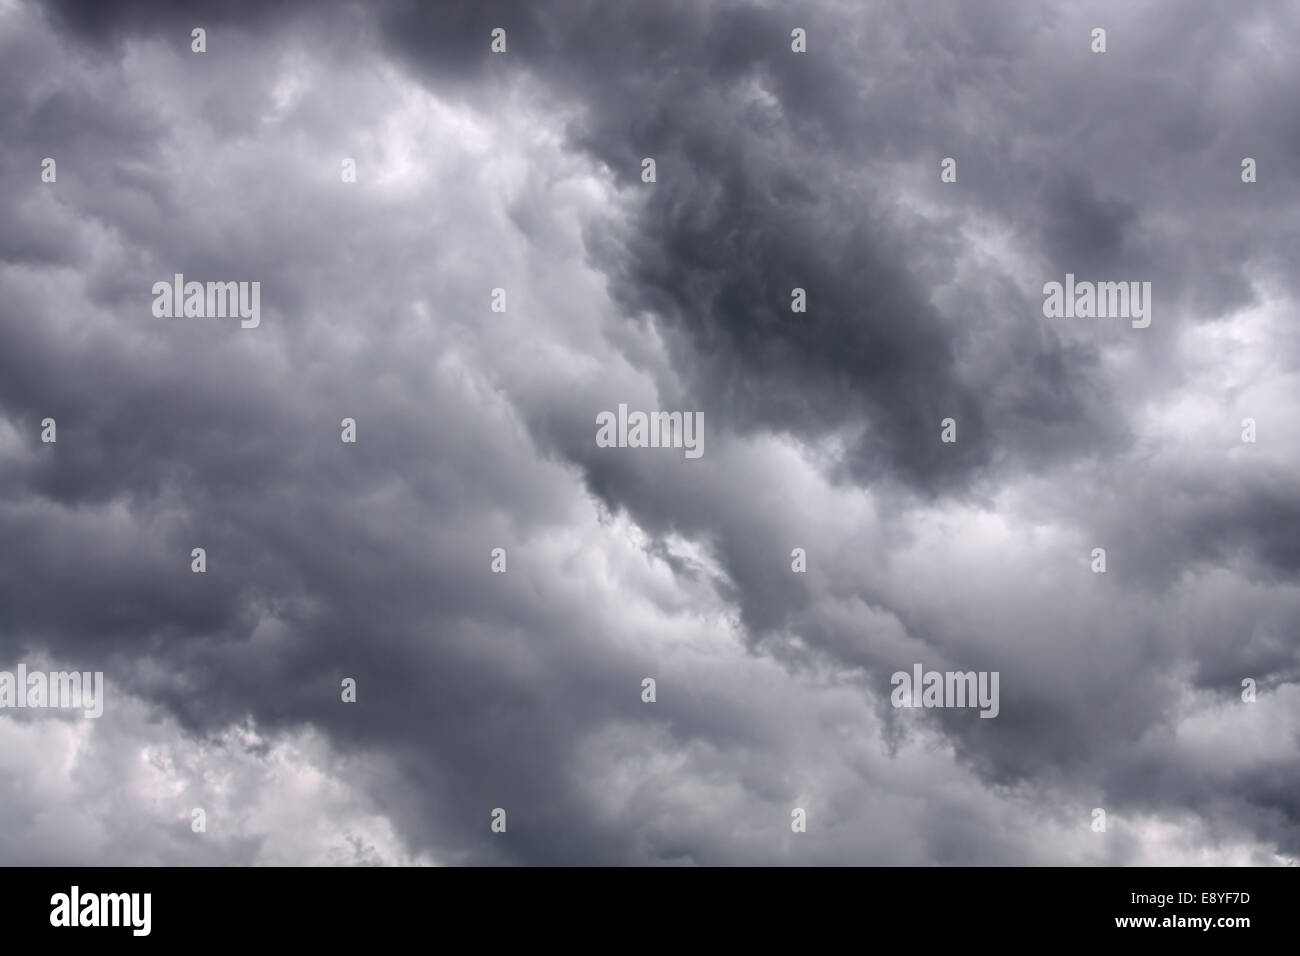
column 775, row 170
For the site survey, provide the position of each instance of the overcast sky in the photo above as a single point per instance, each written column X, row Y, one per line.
column 476, row 429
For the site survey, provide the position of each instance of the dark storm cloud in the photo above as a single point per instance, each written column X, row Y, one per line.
column 321, row 565
column 752, row 202
column 1124, row 168
column 775, row 171
column 102, row 23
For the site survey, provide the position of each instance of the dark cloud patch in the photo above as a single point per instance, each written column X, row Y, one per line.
column 99, row 24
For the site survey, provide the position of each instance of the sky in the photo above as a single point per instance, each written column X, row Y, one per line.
column 477, row 690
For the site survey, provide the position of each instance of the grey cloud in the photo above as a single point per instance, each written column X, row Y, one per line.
column 521, row 690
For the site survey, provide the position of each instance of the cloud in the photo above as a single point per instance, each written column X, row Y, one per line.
column 476, row 430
